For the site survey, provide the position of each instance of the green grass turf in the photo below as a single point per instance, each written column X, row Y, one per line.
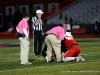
column 10, row 62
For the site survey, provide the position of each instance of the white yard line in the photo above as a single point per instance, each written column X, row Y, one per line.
column 10, row 60
column 94, row 60
column 90, row 54
column 13, row 54
column 90, row 47
column 17, row 59
column 46, row 67
column 5, row 58
column 33, row 54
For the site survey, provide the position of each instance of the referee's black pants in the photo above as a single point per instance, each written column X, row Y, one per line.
column 37, row 42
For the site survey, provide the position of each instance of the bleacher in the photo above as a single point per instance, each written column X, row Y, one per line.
column 83, row 11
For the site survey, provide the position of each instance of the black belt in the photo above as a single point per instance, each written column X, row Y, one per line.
column 44, row 36
column 52, row 34
column 19, row 35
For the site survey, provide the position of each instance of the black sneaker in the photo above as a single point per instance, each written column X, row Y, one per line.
column 39, row 54
column 52, row 60
column 36, row 55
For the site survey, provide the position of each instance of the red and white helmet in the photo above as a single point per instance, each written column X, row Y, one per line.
column 68, row 32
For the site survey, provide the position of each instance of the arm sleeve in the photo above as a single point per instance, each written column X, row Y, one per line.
column 17, row 29
column 33, row 20
column 25, row 32
column 33, row 23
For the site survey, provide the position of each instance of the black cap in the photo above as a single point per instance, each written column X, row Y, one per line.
column 26, row 15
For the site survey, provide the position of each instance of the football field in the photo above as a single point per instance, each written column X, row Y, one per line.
column 10, row 60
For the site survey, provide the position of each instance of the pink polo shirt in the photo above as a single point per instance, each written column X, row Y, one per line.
column 58, row 31
column 23, row 24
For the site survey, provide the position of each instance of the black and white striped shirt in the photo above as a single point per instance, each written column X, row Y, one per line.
column 39, row 26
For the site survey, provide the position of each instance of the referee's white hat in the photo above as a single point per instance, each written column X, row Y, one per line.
column 39, row 11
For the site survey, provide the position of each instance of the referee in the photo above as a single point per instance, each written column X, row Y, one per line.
column 37, row 32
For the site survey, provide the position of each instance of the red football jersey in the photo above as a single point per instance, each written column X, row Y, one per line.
column 69, row 41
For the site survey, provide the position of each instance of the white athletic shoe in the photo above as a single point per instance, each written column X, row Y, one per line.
column 82, row 59
column 28, row 63
column 78, row 59
column 46, row 58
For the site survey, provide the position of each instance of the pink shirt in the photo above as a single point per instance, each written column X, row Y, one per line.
column 23, row 24
column 58, row 31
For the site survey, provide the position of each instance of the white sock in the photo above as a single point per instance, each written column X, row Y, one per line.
column 68, row 59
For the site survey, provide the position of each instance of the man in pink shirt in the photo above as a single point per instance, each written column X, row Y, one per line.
column 53, row 42
column 23, row 29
